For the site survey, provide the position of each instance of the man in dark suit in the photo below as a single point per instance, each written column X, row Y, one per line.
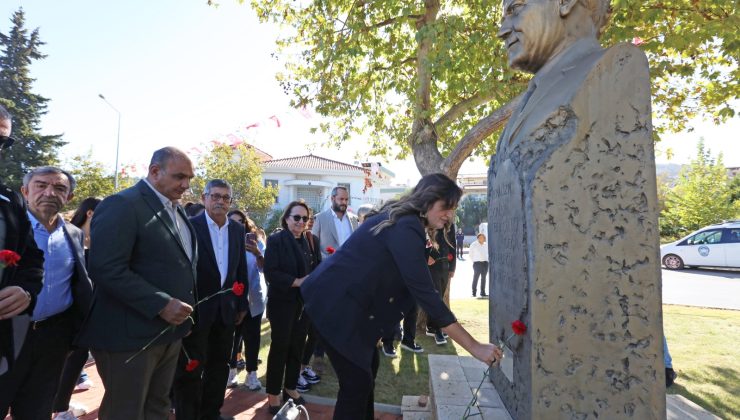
column 29, row 388
column 199, row 393
column 442, row 264
column 19, row 283
column 143, row 256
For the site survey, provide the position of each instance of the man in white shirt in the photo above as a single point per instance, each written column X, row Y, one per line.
column 334, row 225
column 479, row 255
column 199, row 392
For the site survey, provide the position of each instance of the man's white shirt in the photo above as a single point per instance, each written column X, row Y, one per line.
column 478, row 251
column 220, row 241
column 343, row 227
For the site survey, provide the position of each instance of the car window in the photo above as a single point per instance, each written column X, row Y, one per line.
column 706, row 237
column 732, row 236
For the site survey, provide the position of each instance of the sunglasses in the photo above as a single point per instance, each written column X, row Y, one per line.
column 6, row 141
column 297, row 218
column 219, row 197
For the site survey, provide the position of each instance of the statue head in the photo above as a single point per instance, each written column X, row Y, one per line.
column 535, row 31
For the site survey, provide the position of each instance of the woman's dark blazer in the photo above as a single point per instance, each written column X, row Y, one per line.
column 284, row 263
column 362, row 291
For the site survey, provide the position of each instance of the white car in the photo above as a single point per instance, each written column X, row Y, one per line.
column 712, row 246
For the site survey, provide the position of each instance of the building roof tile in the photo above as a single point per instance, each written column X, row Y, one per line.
column 312, row 161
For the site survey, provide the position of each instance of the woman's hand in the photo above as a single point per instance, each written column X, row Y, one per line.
column 298, row 282
column 252, row 247
column 487, row 353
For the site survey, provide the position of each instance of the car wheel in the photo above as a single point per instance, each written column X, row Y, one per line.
column 673, row 262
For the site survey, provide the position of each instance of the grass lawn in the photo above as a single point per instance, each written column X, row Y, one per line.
column 704, row 344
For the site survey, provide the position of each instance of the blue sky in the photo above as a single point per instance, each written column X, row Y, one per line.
column 184, row 73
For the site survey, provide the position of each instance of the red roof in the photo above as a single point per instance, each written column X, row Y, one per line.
column 311, row 161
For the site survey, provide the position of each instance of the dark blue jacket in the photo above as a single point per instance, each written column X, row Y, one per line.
column 362, row 291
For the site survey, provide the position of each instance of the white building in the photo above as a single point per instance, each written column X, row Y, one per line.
column 312, row 178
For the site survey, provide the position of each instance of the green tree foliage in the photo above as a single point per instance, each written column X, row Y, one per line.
column 432, row 78
column 471, row 211
column 93, row 179
column 702, row 196
column 19, row 49
column 241, row 168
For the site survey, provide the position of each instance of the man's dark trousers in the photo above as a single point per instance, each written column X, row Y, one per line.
column 158, row 362
column 199, row 394
column 32, row 383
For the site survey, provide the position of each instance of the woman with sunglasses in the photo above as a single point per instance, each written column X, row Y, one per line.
column 365, row 287
column 288, row 260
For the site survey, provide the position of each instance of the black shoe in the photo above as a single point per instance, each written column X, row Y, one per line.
column 430, row 332
column 483, row 294
column 439, row 338
column 388, row 350
column 473, row 293
column 412, row 346
column 297, row 401
column 670, row 376
column 274, row 409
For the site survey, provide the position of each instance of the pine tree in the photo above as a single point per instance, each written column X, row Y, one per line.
column 702, row 196
column 18, row 50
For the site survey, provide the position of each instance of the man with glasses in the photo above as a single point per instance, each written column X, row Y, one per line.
column 199, row 393
column 143, row 257
column 21, row 282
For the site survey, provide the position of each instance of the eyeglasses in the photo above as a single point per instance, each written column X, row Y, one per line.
column 6, row 141
column 219, row 197
column 297, row 218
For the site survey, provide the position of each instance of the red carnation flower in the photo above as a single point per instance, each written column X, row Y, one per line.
column 192, row 365
column 518, row 327
column 450, row 257
column 9, row 258
column 238, row 288
column 330, row 250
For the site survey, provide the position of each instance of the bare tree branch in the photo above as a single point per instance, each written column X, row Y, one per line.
column 477, row 134
column 462, row 107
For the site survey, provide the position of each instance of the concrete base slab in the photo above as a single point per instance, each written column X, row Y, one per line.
column 455, row 379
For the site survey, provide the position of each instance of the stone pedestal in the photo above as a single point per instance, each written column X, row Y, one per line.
column 574, row 248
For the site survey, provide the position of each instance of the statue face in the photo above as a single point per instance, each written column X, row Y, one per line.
column 532, row 31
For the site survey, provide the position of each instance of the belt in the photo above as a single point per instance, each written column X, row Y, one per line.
column 52, row 320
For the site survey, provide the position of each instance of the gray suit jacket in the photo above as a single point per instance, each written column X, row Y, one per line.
column 138, row 263
column 324, row 229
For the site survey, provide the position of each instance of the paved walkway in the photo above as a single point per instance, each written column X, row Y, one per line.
column 240, row 403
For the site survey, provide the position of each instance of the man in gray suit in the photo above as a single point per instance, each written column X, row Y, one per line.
column 143, row 258
column 334, row 225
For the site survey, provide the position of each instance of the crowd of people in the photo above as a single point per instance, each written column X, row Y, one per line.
column 164, row 296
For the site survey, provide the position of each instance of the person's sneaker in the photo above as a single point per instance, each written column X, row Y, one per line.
column 84, row 385
column 77, row 409
column 388, row 350
column 252, row 382
column 241, row 364
column 233, row 380
column 310, row 376
column 412, row 346
column 430, row 332
column 670, row 377
column 303, row 386
column 439, row 338
column 65, row 415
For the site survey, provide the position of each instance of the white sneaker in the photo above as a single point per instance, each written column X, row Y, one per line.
column 65, row 415
column 252, row 382
column 233, row 380
column 87, row 384
column 77, row 409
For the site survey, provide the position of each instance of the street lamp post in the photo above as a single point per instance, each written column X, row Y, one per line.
column 118, row 137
